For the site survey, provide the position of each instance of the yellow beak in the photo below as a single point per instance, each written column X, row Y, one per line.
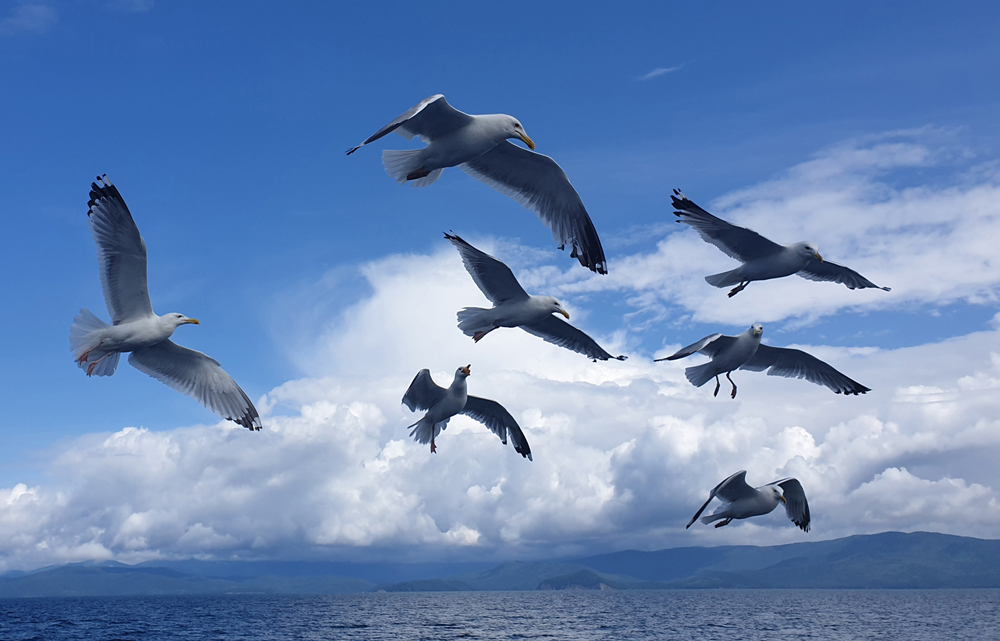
column 818, row 257
column 467, row 369
column 192, row 321
column 527, row 141
column 564, row 313
column 783, row 500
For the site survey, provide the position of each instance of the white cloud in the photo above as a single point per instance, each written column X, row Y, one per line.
column 624, row 451
column 28, row 18
column 659, row 71
column 930, row 244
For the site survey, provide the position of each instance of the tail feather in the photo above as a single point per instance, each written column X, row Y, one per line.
column 724, row 279
column 405, row 166
column 700, row 374
column 473, row 319
column 84, row 339
column 711, row 518
column 423, row 430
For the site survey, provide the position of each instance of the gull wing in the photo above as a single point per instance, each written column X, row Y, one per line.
column 540, row 185
column 733, row 488
column 423, row 392
column 558, row 332
column 827, row 271
column 491, row 276
column 737, row 242
column 121, row 253
column 794, row 363
column 796, row 506
column 430, row 118
column 494, row 416
column 710, row 346
column 200, row 377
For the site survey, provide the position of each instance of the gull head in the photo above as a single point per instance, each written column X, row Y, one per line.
column 555, row 307
column 463, row 371
column 809, row 251
column 514, row 129
column 176, row 320
column 757, row 330
column 778, row 494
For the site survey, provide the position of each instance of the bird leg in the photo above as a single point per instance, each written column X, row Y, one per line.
column 420, row 173
column 739, row 288
column 721, row 523
column 734, row 386
column 717, row 385
column 90, row 368
column 478, row 336
column 434, row 448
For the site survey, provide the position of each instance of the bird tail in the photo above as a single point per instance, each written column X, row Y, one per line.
column 84, row 340
column 725, row 279
column 700, row 374
column 423, row 430
column 712, row 518
column 406, row 165
column 474, row 319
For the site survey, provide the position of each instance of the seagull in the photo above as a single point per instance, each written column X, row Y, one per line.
column 741, row 501
column 762, row 259
column 478, row 146
column 513, row 307
column 96, row 346
column 745, row 352
column 441, row 404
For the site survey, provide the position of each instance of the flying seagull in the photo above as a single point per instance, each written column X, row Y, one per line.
column 741, row 501
column 121, row 255
column 441, row 404
column 513, row 307
column 762, row 259
column 478, row 146
column 745, row 352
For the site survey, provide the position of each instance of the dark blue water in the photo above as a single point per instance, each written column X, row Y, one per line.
column 703, row 615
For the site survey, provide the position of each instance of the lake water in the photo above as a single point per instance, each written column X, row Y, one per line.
column 729, row 615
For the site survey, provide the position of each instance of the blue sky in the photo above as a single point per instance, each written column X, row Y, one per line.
column 224, row 125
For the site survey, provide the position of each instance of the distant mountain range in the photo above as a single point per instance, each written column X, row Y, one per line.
column 887, row 560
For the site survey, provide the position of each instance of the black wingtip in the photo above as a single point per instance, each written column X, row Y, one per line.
column 103, row 188
column 353, row 149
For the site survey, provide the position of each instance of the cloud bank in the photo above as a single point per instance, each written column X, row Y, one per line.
column 625, row 452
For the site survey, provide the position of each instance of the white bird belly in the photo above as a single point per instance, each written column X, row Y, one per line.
column 129, row 337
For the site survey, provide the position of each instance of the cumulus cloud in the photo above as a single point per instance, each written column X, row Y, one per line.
column 624, row 451
column 931, row 243
column 28, row 18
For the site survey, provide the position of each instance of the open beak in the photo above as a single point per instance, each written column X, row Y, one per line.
column 192, row 321
column 466, row 370
column 527, row 141
column 564, row 313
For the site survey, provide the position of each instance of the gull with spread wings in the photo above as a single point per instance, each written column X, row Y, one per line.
column 762, row 259
column 740, row 501
column 478, row 146
column 513, row 307
column 96, row 346
column 745, row 351
column 441, row 404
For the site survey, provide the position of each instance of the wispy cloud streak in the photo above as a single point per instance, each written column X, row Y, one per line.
column 28, row 18
column 659, row 71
